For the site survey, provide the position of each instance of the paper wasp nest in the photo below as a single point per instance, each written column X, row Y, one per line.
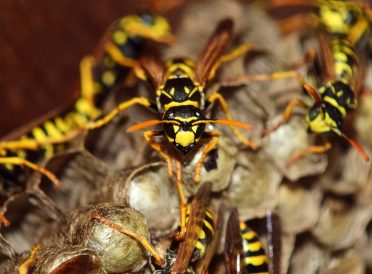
column 324, row 202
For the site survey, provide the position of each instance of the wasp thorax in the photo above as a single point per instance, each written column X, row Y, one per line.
column 183, row 127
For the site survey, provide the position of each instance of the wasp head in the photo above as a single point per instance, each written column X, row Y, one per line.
column 148, row 25
column 324, row 118
column 183, row 127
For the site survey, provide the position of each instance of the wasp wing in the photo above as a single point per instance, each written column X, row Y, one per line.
column 198, row 208
column 325, row 56
column 213, row 50
column 153, row 67
column 233, row 243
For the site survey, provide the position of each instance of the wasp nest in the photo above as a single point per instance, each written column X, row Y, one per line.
column 323, row 202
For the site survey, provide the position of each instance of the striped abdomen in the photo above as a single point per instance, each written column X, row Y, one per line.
column 254, row 256
column 345, row 60
column 205, row 235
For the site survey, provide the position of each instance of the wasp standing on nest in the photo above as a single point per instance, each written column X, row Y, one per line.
column 100, row 75
column 345, row 25
column 182, row 105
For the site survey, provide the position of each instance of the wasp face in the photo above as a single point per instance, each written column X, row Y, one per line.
column 183, row 128
column 324, row 118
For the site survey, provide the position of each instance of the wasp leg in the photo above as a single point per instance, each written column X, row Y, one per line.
column 224, row 106
column 215, row 135
column 29, row 263
column 4, row 220
column 157, row 147
column 141, row 239
column 298, row 23
column 32, row 144
column 244, row 79
column 23, row 162
column 120, row 108
column 149, row 134
column 124, row 61
column 230, row 57
column 183, row 207
column 310, row 150
column 292, row 73
column 287, row 114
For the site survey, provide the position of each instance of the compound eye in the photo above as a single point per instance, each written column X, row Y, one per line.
column 313, row 113
column 147, row 19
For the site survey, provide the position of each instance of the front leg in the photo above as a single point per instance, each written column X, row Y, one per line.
column 308, row 151
column 214, row 135
column 149, row 134
column 158, row 148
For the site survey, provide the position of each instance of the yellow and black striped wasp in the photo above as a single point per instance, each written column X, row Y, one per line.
column 345, row 25
column 244, row 252
column 100, row 75
column 182, row 105
column 181, row 256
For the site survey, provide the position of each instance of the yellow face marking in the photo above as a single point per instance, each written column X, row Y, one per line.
column 182, row 119
column 194, row 128
column 108, row 78
column 320, row 124
column 171, row 140
column 185, row 138
column 119, row 37
column 176, row 128
column 172, row 91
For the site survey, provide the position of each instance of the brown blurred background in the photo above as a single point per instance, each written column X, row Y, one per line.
column 41, row 44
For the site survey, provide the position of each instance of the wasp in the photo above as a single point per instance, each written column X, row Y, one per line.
column 342, row 76
column 182, row 105
column 244, row 252
column 100, row 75
column 348, row 19
column 200, row 232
